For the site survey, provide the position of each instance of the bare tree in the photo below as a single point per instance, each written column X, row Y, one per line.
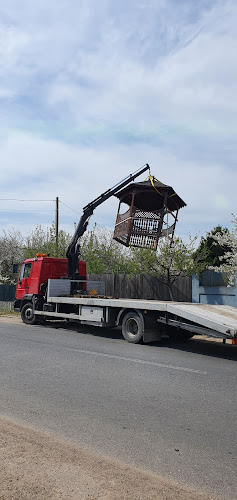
column 228, row 262
column 11, row 252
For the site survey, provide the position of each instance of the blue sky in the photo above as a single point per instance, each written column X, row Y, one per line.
column 90, row 91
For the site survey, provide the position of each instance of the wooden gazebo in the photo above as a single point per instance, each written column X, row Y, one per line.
column 151, row 206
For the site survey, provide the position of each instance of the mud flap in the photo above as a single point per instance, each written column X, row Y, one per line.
column 151, row 336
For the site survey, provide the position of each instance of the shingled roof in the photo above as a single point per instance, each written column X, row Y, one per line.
column 150, row 197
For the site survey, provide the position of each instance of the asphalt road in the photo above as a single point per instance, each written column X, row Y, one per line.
column 166, row 408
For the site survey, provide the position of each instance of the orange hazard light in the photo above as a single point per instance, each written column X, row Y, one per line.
column 234, row 341
column 41, row 255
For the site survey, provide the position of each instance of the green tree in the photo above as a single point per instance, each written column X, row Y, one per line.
column 44, row 241
column 212, row 249
column 102, row 254
column 168, row 263
column 14, row 248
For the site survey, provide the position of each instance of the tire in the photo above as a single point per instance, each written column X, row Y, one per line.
column 177, row 334
column 132, row 328
column 27, row 314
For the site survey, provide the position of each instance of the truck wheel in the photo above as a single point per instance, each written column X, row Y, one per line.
column 132, row 328
column 179, row 334
column 27, row 314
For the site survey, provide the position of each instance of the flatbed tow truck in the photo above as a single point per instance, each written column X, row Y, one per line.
column 146, row 320
column 53, row 288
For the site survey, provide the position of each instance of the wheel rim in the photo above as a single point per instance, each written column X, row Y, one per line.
column 132, row 326
column 29, row 313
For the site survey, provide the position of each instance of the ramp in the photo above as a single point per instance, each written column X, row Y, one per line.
column 220, row 318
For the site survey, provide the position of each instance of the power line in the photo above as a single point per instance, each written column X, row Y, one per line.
column 69, row 207
column 33, row 210
column 16, row 199
column 24, row 210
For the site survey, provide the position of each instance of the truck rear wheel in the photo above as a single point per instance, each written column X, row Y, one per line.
column 27, row 314
column 132, row 328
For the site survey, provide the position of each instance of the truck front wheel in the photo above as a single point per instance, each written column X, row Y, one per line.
column 132, row 328
column 27, row 314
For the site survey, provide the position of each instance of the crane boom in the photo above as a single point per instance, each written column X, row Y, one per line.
column 74, row 247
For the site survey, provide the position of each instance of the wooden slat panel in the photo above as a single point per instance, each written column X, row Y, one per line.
column 144, row 287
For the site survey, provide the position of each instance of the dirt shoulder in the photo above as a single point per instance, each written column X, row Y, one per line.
column 36, row 465
column 10, row 318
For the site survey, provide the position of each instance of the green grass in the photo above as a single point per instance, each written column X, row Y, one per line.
column 9, row 313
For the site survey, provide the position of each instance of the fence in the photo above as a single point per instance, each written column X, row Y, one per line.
column 6, row 306
column 144, row 287
column 120, row 285
column 211, row 288
column 7, row 293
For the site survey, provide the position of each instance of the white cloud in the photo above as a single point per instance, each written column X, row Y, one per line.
column 92, row 90
column 38, row 169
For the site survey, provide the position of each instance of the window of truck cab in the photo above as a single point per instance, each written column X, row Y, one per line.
column 25, row 271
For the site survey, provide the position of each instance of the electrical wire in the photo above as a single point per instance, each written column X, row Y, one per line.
column 69, row 207
column 25, row 210
column 16, row 199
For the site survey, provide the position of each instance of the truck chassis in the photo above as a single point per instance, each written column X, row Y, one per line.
column 141, row 320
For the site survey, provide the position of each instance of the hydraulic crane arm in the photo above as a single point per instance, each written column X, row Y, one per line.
column 74, row 247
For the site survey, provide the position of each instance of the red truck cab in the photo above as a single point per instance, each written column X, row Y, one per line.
column 34, row 275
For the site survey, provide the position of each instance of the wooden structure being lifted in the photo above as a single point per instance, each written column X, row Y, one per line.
column 151, row 206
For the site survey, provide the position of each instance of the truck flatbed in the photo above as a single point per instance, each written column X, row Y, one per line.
column 214, row 320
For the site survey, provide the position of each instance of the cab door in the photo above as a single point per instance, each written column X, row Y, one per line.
column 24, row 280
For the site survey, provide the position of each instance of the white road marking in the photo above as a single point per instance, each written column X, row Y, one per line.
column 141, row 361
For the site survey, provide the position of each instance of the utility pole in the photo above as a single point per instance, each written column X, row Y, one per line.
column 56, row 226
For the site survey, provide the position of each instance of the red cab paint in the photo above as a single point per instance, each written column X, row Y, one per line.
column 34, row 272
